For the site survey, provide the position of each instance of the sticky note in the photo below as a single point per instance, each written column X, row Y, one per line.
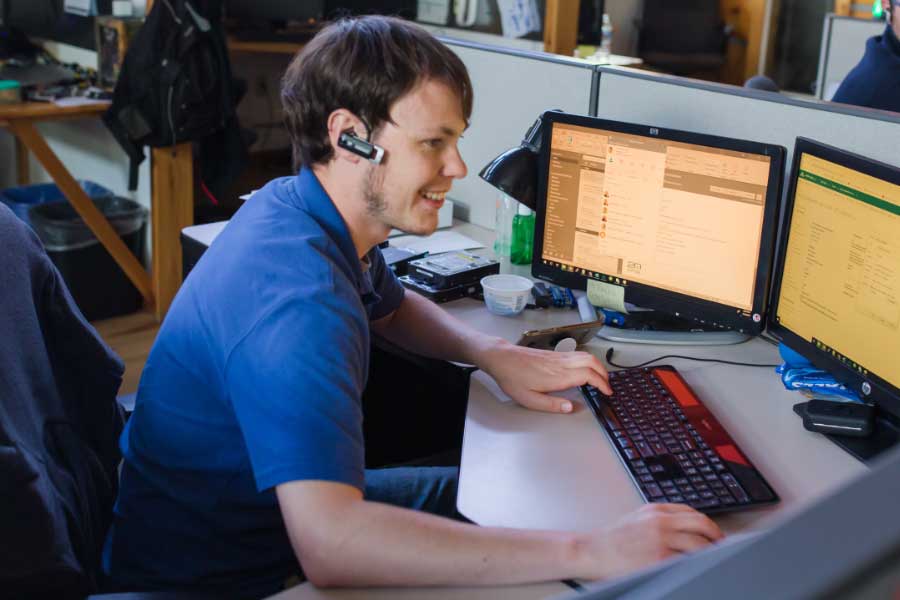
column 606, row 295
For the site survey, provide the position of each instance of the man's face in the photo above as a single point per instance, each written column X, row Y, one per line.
column 421, row 159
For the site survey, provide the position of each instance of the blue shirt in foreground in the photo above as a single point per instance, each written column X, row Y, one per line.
column 255, row 380
column 875, row 81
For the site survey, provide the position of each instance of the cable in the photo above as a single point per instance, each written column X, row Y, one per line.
column 609, row 360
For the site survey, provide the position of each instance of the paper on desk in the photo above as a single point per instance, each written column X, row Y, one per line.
column 78, row 101
column 437, row 242
column 606, row 295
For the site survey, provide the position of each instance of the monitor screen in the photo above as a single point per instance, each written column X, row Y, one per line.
column 837, row 290
column 683, row 222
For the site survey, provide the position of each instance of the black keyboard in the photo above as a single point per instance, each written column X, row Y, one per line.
column 673, row 447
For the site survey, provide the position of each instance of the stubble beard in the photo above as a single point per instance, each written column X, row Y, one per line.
column 374, row 194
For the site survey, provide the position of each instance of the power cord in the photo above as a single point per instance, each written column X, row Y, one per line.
column 609, row 360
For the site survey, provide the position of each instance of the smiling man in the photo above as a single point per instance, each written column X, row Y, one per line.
column 244, row 461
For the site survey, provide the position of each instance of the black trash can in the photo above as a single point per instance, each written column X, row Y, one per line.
column 99, row 286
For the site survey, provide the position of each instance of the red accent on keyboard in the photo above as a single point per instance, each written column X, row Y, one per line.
column 682, row 393
column 732, row 454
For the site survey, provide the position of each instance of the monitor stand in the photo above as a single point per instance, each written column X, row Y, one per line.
column 884, row 436
column 652, row 327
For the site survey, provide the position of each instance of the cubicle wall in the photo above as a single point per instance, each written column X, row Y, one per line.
column 843, row 44
column 511, row 89
column 679, row 103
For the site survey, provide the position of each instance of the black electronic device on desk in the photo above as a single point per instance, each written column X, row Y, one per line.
column 682, row 223
column 836, row 290
column 449, row 275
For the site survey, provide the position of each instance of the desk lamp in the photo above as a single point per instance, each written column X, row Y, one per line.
column 515, row 172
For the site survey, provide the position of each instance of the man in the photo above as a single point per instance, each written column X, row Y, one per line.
column 244, row 457
column 875, row 81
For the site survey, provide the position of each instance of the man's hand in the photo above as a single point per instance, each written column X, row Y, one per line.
column 652, row 533
column 527, row 375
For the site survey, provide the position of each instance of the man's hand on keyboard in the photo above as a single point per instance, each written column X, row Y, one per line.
column 652, row 533
column 528, row 375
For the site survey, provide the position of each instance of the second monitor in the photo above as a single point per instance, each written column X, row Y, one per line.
column 678, row 222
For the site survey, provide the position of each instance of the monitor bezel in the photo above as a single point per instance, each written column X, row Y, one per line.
column 704, row 312
column 883, row 393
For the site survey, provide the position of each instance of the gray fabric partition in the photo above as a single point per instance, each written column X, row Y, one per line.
column 725, row 110
column 511, row 89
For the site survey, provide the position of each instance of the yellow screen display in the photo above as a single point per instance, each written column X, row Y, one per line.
column 841, row 283
column 680, row 217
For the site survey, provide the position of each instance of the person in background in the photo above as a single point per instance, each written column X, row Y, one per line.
column 875, row 81
column 244, row 460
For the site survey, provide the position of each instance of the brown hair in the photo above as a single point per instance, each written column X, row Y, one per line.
column 363, row 65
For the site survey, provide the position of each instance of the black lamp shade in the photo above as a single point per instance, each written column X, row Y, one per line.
column 515, row 174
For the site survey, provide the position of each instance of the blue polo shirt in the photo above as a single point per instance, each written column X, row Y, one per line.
column 875, row 81
column 254, row 380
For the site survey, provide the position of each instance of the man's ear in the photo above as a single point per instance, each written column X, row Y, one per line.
column 341, row 121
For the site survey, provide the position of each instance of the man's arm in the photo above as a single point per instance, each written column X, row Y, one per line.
column 525, row 374
column 342, row 540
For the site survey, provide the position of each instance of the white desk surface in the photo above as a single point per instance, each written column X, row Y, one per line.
column 527, row 469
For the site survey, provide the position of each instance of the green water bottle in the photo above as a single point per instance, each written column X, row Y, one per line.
column 522, row 243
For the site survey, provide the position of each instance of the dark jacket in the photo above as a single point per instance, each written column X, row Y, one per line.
column 875, row 81
column 59, row 427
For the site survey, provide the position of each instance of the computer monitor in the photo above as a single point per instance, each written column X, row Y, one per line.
column 836, row 292
column 678, row 222
column 46, row 19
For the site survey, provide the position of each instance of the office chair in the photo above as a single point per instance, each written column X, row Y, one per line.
column 682, row 37
column 59, row 431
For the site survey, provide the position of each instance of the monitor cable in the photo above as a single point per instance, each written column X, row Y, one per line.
column 609, row 361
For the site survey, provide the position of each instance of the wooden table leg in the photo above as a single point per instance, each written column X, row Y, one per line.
column 26, row 132
column 172, row 210
column 22, row 175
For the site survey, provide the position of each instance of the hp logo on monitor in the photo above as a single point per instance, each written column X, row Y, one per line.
column 654, row 131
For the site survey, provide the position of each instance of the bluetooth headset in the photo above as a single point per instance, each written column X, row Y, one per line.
column 348, row 140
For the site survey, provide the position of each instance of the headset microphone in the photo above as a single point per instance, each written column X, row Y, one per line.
column 348, row 140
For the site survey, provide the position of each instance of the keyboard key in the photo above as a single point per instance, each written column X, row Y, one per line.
column 735, row 488
column 653, row 490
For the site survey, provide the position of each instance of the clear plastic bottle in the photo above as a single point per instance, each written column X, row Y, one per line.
column 606, row 31
column 522, row 243
column 506, row 209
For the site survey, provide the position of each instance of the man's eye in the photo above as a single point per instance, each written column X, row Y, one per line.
column 435, row 143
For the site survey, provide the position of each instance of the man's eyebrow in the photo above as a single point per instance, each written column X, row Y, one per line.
column 445, row 131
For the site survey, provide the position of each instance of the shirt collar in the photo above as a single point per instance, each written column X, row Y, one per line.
column 310, row 197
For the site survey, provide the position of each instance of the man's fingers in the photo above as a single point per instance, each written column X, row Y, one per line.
column 695, row 523
column 544, row 402
column 594, row 371
column 687, row 542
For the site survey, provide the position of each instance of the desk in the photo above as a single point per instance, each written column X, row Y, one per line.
column 171, row 205
column 20, row 119
column 531, row 470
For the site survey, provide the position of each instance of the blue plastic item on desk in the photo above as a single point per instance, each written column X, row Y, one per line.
column 20, row 199
column 797, row 373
